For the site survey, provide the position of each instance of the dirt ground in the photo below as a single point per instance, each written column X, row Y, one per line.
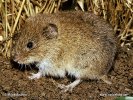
column 15, row 85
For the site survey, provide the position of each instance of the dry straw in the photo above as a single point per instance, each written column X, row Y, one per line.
column 12, row 12
column 119, row 13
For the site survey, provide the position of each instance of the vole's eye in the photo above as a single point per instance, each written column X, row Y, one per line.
column 29, row 45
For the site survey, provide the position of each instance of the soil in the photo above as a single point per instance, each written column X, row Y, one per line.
column 15, row 85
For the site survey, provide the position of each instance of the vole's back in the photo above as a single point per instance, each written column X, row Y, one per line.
column 90, row 41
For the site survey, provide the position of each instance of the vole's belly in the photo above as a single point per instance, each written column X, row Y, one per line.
column 61, row 72
column 51, row 69
column 74, row 72
column 54, row 72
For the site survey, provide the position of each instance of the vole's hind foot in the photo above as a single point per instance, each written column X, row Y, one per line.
column 105, row 79
column 35, row 76
column 66, row 88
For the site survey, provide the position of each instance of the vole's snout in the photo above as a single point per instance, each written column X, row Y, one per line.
column 12, row 56
column 15, row 57
column 18, row 59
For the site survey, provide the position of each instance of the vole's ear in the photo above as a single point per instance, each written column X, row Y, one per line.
column 51, row 31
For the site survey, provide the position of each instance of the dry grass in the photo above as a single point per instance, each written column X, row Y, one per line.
column 120, row 14
column 12, row 12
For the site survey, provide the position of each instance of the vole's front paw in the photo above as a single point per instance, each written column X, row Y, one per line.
column 35, row 76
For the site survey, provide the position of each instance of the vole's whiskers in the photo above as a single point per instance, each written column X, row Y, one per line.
column 25, row 67
column 20, row 66
column 30, row 66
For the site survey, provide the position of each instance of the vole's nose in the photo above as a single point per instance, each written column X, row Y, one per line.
column 15, row 57
column 12, row 54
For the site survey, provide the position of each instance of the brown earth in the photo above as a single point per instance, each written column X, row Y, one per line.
column 14, row 84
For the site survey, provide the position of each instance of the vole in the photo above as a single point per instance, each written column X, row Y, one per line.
column 79, row 44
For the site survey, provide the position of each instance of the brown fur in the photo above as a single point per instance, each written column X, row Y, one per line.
column 83, row 42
